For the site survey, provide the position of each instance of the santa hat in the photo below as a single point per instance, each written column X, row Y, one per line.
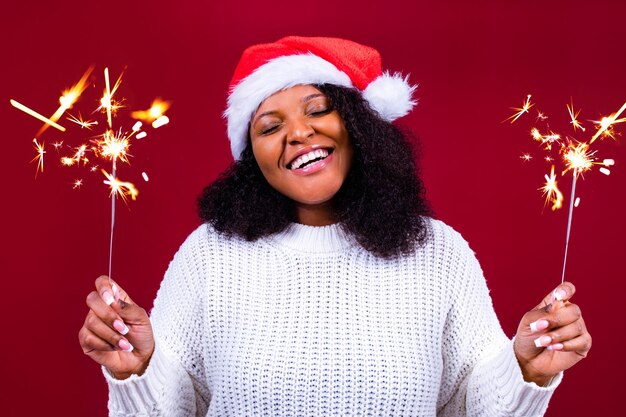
column 268, row 68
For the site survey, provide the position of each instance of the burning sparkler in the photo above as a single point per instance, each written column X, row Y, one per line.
column 112, row 145
column 577, row 157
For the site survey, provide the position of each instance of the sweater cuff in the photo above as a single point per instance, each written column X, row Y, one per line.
column 516, row 395
column 137, row 395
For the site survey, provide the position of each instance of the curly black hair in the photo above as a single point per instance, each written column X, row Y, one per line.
column 381, row 202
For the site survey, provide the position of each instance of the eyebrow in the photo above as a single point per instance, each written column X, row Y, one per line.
column 305, row 99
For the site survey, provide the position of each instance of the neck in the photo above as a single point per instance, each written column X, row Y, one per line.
column 316, row 214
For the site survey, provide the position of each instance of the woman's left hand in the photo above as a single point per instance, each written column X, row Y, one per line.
column 552, row 337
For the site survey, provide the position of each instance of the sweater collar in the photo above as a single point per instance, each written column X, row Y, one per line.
column 314, row 239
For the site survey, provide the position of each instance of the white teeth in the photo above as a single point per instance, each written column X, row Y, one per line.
column 302, row 159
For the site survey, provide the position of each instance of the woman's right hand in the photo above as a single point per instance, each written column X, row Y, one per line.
column 117, row 332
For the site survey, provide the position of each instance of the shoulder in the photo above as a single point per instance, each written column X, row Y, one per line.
column 442, row 238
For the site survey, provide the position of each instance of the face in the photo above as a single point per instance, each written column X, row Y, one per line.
column 301, row 145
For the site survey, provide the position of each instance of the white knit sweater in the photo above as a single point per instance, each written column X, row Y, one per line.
column 308, row 323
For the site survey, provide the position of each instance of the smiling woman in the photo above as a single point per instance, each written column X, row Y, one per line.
column 302, row 148
column 318, row 285
column 369, row 160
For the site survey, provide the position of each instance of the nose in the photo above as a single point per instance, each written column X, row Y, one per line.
column 299, row 130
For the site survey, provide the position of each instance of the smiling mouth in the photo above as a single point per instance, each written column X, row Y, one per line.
column 309, row 158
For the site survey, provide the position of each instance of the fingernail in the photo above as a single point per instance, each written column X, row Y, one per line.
column 116, row 291
column 108, row 298
column 543, row 341
column 556, row 346
column 125, row 346
column 535, row 326
column 120, row 326
column 560, row 294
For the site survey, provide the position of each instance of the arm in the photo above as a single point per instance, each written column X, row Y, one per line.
column 481, row 374
column 174, row 382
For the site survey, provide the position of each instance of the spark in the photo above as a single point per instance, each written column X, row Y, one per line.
column 161, row 121
column 605, row 171
column 69, row 97
column 36, row 115
column 526, row 157
column 80, row 154
column 137, row 126
column 540, row 116
column 77, row 184
column 551, row 191
column 608, row 162
column 574, row 117
column 39, row 147
column 106, row 102
column 577, row 202
column 578, row 158
column 521, row 110
column 145, row 177
column 94, row 168
column 120, row 188
column 605, row 126
column 548, row 159
column 141, row 135
column 156, row 110
column 86, row 124
column 67, row 161
column 57, row 145
column 113, row 146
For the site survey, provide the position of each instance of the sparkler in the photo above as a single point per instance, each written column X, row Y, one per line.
column 112, row 145
column 576, row 156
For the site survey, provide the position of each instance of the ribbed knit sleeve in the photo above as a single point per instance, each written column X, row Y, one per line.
column 481, row 377
column 175, row 383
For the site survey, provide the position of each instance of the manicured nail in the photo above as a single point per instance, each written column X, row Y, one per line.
column 543, row 341
column 125, row 346
column 560, row 294
column 120, row 326
column 556, row 346
column 535, row 326
column 108, row 298
column 116, row 291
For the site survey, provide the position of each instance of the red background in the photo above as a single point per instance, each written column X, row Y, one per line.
column 473, row 60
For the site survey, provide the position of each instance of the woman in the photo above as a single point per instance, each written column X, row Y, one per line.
column 318, row 285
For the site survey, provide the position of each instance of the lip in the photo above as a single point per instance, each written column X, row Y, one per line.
column 303, row 151
column 314, row 167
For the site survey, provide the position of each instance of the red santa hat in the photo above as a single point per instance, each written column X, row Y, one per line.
column 265, row 69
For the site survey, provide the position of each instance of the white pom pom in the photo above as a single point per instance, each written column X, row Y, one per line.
column 390, row 95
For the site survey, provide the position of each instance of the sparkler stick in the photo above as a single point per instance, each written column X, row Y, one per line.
column 569, row 223
column 36, row 115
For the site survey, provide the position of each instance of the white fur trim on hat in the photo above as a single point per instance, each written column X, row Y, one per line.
column 390, row 95
column 276, row 75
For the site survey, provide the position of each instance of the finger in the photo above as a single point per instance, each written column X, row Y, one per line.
column 580, row 345
column 100, row 308
column 90, row 342
column 130, row 313
column 563, row 292
column 110, row 290
column 564, row 316
column 106, row 333
column 552, row 339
